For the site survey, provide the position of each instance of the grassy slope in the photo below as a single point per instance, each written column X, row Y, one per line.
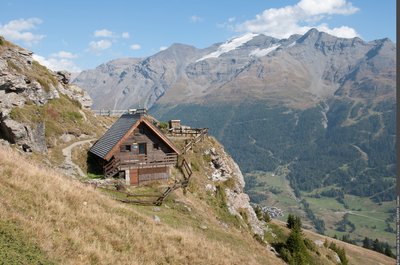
column 74, row 224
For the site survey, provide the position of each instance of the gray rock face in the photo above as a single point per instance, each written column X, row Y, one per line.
column 224, row 168
column 299, row 71
column 22, row 82
column 24, row 135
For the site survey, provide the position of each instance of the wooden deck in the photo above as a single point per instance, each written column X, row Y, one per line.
column 138, row 161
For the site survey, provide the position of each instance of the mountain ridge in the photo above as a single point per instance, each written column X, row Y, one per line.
column 189, row 73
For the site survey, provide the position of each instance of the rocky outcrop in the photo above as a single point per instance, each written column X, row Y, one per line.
column 25, row 81
column 224, row 169
column 76, row 93
column 23, row 135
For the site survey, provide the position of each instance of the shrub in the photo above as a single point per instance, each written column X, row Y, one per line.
column 258, row 211
column 266, row 217
column 340, row 252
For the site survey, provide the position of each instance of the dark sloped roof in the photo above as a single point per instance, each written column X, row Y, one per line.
column 104, row 145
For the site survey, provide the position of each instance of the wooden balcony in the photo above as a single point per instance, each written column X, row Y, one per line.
column 128, row 160
column 125, row 161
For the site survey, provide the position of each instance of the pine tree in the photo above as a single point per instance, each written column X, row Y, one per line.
column 293, row 222
column 377, row 246
column 388, row 252
column 295, row 244
column 367, row 243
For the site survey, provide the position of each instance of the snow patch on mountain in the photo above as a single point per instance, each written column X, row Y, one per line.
column 229, row 46
column 262, row 52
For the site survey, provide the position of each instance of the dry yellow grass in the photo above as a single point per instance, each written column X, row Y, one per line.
column 75, row 224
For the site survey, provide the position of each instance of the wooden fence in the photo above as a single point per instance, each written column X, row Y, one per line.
column 117, row 113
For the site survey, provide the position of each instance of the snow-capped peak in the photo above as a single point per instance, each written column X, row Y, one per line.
column 230, row 45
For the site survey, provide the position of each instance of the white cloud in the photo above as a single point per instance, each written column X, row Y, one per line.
column 125, row 35
column 103, row 33
column 317, row 7
column 19, row 29
column 57, row 64
column 196, row 18
column 299, row 18
column 98, row 46
column 162, row 48
column 64, row 54
column 135, row 47
column 342, row 32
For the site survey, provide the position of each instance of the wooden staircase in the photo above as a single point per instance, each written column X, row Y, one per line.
column 112, row 168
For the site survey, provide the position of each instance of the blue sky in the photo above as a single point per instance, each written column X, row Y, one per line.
column 78, row 35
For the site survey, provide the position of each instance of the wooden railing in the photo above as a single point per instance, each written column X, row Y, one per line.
column 186, row 170
column 148, row 160
column 117, row 113
column 195, row 140
column 187, row 131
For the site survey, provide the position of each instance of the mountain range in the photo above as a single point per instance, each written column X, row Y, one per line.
column 299, row 71
column 314, row 109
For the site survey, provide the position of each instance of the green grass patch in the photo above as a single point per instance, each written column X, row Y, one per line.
column 58, row 115
column 42, row 75
column 218, row 202
column 16, row 248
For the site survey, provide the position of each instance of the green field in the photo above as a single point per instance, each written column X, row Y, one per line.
column 370, row 219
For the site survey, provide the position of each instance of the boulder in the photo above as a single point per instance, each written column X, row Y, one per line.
column 23, row 135
column 64, row 76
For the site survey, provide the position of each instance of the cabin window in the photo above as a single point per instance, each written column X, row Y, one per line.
column 142, row 149
column 128, row 148
column 156, row 146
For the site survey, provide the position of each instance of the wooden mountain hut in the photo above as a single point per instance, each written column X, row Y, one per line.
column 135, row 149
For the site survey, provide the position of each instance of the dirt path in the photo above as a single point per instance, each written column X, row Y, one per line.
column 68, row 163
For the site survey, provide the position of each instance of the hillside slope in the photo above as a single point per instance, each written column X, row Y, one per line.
column 75, row 224
column 67, row 222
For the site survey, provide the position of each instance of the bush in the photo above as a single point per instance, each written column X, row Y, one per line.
column 266, row 217
column 258, row 211
column 340, row 252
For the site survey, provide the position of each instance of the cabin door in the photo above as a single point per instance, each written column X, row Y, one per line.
column 133, row 174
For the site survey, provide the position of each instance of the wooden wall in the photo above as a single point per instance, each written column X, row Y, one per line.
column 155, row 173
column 155, row 147
column 156, row 151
